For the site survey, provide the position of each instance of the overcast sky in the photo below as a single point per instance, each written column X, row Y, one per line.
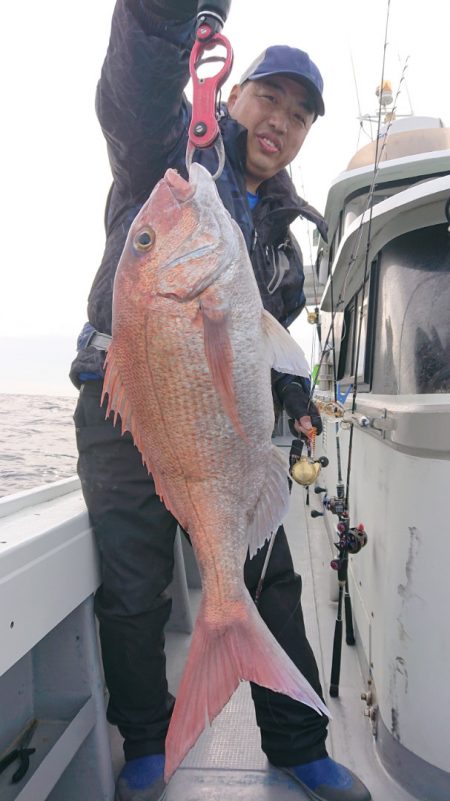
column 54, row 172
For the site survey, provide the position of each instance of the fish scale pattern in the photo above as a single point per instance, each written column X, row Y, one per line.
column 188, row 372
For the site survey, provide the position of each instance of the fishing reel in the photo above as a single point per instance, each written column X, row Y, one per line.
column 351, row 540
column 334, row 503
column 304, row 469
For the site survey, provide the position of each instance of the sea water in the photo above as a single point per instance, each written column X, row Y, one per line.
column 37, row 441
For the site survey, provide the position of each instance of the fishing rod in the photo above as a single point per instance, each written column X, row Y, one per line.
column 350, row 539
column 314, row 317
column 305, row 471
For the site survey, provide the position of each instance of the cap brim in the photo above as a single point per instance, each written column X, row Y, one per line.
column 315, row 94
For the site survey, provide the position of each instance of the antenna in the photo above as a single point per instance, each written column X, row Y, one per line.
column 404, row 81
column 356, row 84
column 361, row 125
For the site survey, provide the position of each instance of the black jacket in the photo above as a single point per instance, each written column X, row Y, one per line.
column 145, row 116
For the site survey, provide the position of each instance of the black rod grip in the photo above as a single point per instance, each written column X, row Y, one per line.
column 336, row 661
column 337, row 647
column 349, row 632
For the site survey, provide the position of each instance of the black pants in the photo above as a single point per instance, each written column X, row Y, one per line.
column 135, row 536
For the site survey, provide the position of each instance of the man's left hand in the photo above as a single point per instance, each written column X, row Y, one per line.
column 304, row 426
column 301, row 409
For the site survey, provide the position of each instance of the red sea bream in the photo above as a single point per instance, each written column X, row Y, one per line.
column 188, row 371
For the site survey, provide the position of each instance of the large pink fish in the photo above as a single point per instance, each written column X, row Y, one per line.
column 188, row 371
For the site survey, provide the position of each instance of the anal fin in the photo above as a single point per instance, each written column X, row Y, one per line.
column 272, row 504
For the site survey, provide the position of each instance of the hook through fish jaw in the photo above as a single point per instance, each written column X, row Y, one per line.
column 218, row 147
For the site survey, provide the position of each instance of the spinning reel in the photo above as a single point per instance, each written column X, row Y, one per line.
column 304, row 469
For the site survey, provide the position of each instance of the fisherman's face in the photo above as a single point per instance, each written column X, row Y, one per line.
column 278, row 113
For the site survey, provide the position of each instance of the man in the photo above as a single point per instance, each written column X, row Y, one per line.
column 145, row 116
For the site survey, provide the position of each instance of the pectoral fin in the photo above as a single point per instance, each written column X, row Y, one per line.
column 219, row 354
column 283, row 352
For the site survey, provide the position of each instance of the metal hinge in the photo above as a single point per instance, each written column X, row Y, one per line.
column 371, row 708
column 381, row 424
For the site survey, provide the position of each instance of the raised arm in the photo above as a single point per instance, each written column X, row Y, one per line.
column 140, row 102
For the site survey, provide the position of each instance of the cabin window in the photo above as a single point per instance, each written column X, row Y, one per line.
column 357, row 204
column 412, row 336
column 354, row 208
column 331, row 253
column 345, row 368
column 339, row 230
column 354, row 331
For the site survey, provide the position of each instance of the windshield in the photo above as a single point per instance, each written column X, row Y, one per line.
column 412, row 338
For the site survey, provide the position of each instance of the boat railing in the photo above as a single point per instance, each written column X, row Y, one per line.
column 50, row 670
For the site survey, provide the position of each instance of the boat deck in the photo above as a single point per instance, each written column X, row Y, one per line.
column 227, row 761
column 50, row 670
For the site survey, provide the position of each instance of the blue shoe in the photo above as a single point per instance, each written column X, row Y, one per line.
column 142, row 780
column 327, row 780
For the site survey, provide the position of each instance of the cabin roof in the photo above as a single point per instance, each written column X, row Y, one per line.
column 421, row 151
column 403, row 143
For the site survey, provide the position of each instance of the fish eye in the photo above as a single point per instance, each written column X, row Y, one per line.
column 144, row 239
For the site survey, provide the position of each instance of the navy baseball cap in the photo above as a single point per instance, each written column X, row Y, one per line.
column 289, row 61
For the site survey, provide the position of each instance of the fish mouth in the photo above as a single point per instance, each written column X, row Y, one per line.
column 181, row 190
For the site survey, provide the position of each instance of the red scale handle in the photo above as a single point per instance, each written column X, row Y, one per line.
column 204, row 129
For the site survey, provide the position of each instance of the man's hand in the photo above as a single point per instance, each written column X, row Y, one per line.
column 219, row 7
column 300, row 408
column 304, row 426
column 212, row 13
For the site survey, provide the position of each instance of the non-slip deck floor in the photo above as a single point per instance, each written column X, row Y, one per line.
column 227, row 762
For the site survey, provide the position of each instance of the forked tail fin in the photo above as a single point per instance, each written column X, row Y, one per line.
column 218, row 659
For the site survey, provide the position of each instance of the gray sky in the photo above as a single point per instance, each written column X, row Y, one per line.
column 55, row 174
